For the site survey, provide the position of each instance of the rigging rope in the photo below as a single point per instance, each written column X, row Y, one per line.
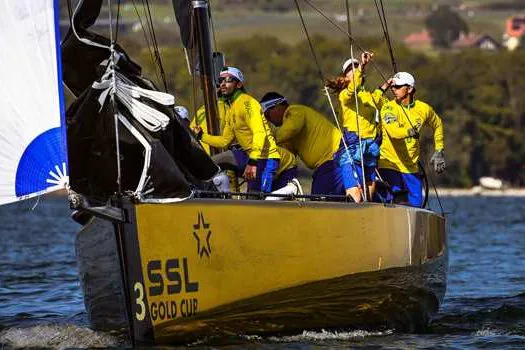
column 148, row 29
column 215, row 46
column 146, row 39
column 118, row 20
column 156, row 46
column 70, row 12
column 433, row 182
column 352, row 40
column 365, row 190
column 84, row 40
column 348, row 22
column 321, row 76
column 113, row 101
column 384, row 26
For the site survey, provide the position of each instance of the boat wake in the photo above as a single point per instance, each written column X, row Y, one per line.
column 327, row 335
column 306, row 337
column 482, row 316
column 56, row 336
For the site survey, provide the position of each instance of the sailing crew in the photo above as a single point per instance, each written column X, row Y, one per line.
column 310, row 135
column 257, row 156
column 361, row 136
column 402, row 120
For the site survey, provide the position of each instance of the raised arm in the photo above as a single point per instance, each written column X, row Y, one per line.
column 346, row 96
column 378, row 96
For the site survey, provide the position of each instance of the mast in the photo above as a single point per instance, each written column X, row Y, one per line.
column 203, row 39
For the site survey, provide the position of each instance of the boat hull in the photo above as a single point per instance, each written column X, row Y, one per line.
column 382, row 300
column 223, row 267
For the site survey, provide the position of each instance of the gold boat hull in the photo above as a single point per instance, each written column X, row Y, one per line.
column 228, row 267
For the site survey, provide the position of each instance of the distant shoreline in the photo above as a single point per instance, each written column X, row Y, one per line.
column 477, row 191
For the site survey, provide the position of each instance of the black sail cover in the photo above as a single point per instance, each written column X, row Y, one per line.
column 182, row 10
column 178, row 161
column 183, row 13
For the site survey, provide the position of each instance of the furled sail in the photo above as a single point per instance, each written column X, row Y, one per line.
column 182, row 10
column 33, row 156
column 159, row 157
column 183, row 14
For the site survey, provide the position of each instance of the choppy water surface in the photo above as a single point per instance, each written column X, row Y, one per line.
column 41, row 302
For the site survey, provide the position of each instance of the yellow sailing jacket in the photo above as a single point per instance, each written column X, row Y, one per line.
column 288, row 160
column 309, row 134
column 200, row 119
column 398, row 151
column 369, row 104
column 245, row 122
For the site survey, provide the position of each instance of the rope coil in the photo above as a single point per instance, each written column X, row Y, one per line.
column 129, row 94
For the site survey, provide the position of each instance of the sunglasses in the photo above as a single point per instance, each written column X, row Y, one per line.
column 227, row 80
column 398, row 86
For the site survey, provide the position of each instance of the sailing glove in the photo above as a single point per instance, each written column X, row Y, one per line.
column 438, row 161
column 413, row 133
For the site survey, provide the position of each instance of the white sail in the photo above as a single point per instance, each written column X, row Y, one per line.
column 33, row 156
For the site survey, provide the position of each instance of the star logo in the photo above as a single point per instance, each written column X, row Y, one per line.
column 202, row 233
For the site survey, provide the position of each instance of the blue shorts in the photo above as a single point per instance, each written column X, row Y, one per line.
column 349, row 159
column 398, row 182
column 266, row 171
column 352, row 146
column 352, row 173
column 328, row 179
column 284, row 177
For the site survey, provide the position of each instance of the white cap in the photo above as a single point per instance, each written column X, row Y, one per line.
column 403, row 78
column 348, row 62
column 182, row 112
column 232, row 72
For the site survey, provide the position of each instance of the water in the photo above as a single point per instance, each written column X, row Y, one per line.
column 41, row 302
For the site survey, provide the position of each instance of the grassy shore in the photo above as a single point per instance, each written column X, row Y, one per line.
column 404, row 17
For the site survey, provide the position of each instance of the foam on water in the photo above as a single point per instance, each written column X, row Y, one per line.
column 328, row 335
column 488, row 332
column 57, row 337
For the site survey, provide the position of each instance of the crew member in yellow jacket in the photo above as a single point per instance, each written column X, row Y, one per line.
column 200, row 119
column 258, row 156
column 307, row 133
column 402, row 120
column 360, row 124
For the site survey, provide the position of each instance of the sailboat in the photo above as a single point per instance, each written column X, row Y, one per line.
column 158, row 255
